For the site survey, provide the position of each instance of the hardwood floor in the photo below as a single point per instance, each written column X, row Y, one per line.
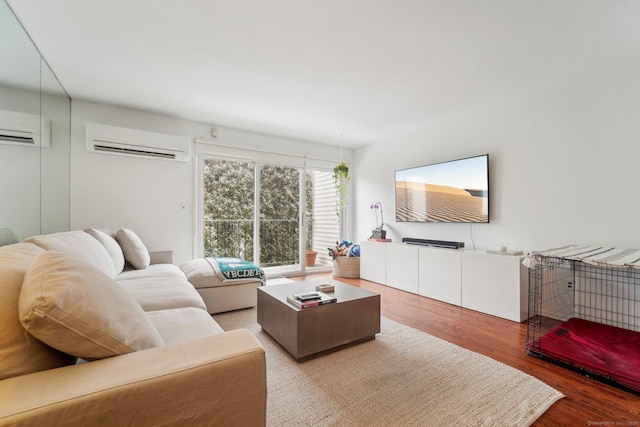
column 586, row 403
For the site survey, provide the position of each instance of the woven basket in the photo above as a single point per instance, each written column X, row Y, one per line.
column 346, row 266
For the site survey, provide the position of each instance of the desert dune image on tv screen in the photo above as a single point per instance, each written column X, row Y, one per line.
column 455, row 191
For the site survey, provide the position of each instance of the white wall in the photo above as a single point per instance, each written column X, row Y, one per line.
column 564, row 157
column 564, row 165
column 145, row 194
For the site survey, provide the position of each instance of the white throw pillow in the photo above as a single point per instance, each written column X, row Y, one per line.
column 78, row 244
column 20, row 352
column 135, row 252
column 77, row 309
column 110, row 244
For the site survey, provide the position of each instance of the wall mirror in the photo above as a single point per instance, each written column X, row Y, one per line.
column 35, row 126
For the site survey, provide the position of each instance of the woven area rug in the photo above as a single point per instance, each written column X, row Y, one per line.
column 403, row 377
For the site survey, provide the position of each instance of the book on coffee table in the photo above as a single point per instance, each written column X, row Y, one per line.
column 310, row 299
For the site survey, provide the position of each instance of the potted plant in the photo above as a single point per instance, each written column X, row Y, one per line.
column 310, row 258
column 310, row 254
column 378, row 232
column 341, row 180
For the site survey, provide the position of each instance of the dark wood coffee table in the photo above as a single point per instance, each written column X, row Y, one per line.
column 315, row 331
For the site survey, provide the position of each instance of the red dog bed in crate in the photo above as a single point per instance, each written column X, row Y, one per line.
column 606, row 351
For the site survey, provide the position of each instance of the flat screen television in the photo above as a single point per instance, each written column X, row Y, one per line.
column 453, row 191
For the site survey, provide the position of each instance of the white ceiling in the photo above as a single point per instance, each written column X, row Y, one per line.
column 370, row 70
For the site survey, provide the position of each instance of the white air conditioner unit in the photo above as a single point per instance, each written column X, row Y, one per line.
column 136, row 143
column 24, row 129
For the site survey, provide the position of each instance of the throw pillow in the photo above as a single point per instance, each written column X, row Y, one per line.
column 110, row 244
column 78, row 244
column 77, row 309
column 134, row 250
column 20, row 352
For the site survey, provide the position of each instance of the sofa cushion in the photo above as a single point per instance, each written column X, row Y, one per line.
column 154, row 270
column 80, row 246
column 135, row 252
column 109, row 242
column 183, row 324
column 74, row 307
column 20, row 352
column 161, row 293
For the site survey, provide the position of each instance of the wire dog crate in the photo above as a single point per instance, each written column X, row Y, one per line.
column 584, row 312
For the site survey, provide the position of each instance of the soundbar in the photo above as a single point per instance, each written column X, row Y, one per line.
column 435, row 243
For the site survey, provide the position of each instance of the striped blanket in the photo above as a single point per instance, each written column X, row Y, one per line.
column 595, row 255
column 228, row 268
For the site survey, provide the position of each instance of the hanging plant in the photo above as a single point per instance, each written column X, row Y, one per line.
column 341, row 179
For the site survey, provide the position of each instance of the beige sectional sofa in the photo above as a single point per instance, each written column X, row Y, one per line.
column 96, row 331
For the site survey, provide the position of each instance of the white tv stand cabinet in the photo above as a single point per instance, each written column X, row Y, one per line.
column 473, row 279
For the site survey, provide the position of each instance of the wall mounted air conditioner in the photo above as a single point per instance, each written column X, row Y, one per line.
column 24, row 129
column 136, row 143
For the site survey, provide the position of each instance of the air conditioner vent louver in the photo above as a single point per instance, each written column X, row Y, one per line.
column 5, row 136
column 25, row 129
column 136, row 143
column 123, row 150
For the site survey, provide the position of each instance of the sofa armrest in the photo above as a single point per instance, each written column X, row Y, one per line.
column 216, row 380
column 161, row 257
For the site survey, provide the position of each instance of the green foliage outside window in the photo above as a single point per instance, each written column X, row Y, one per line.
column 229, row 211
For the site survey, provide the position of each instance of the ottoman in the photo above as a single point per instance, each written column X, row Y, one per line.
column 224, row 284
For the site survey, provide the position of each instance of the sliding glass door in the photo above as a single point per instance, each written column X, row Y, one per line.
column 268, row 214
column 228, row 208
column 279, row 217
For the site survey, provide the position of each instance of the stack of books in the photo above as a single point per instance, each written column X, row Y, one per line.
column 311, row 299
